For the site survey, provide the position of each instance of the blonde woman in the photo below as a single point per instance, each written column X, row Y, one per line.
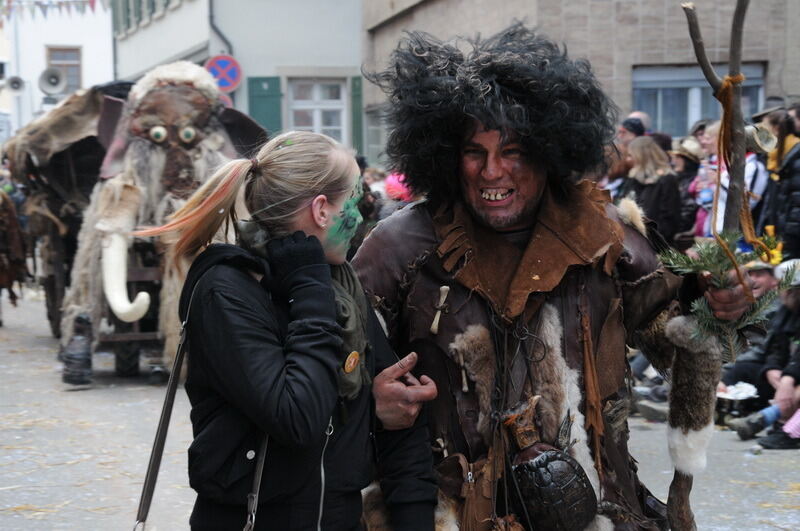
column 653, row 185
column 282, row 342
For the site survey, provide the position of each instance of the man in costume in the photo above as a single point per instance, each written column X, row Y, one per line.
column 519, row 286
column 12, row 250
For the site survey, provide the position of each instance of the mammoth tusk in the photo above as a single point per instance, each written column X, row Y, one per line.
column 115, row 273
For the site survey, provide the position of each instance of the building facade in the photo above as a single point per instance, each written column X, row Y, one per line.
column 300, row 61
column 78, row 43
column 639, row 49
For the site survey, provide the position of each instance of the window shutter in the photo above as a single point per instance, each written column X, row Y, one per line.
column 265, row 97
column 356, row 104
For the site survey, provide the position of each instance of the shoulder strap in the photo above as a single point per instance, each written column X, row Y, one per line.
column 163, row 424
column 161, row 436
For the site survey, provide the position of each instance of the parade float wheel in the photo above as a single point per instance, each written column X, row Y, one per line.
column 126, row 359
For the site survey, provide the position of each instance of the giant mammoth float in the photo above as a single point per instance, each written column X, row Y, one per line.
column 169, row 136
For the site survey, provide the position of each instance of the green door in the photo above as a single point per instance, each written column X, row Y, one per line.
column 264, row 96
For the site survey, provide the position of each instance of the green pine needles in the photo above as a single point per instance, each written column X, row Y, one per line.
column 713, row 259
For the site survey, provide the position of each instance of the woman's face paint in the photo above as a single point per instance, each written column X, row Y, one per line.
column 345, row 223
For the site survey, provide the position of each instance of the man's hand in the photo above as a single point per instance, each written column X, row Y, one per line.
column 730, row 303
column 774, row 377
column 399, row 395
column 784, row 396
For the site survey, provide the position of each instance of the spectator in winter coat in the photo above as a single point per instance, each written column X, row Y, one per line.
column 782, row 204
column 653, row 185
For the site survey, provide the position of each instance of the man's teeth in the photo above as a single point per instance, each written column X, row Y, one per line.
column 495, row 195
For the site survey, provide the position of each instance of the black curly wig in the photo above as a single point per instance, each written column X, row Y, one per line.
column 517, row 82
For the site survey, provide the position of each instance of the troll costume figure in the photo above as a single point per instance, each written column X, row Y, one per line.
column 519, row 285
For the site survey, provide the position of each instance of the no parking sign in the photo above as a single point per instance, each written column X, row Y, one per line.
column 226, row 71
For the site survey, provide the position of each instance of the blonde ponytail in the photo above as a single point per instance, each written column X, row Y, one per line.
column 200, row 218
column 289, row 171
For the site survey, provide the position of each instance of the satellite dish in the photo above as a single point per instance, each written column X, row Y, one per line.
column 15, row 84
column 52, row 81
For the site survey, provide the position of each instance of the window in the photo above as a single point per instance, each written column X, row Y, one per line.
column 68, row 60
column 676, row 97
column 318, row 106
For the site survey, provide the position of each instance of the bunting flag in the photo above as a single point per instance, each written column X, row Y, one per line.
column 9, row 8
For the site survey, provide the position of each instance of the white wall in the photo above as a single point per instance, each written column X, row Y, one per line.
column 180, row 32
column 297, row 38
column 29, row 38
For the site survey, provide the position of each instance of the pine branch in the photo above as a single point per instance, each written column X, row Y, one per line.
column 712, row 259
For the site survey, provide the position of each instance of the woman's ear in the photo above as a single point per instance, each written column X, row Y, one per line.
column 320, row 207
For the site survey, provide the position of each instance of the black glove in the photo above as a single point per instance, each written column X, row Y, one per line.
column 301, row 274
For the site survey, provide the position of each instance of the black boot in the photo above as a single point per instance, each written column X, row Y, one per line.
column 77, row 355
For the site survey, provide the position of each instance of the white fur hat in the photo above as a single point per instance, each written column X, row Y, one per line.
column 177, row 72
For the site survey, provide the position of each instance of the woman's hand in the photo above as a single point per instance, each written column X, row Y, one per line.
column 399, row 395
column 288, row 254
column 299, row 273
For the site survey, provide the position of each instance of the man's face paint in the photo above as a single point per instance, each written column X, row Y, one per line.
column 500, row 185
column 345, row 222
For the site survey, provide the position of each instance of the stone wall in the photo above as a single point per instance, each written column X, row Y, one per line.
column 615, row 35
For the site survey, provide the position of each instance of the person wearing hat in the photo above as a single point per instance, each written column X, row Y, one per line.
column 777, row 373
column 629, row 129
column 686, row 157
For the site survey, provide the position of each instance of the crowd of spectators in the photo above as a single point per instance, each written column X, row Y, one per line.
column 674, row 182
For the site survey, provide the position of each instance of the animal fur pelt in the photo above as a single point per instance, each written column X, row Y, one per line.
column 376, row 515
column 631, row 214
column 72, row 119
column 695, row 374
column 556, row 383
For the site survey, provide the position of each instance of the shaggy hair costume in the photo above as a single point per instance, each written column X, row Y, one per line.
column 516, row 81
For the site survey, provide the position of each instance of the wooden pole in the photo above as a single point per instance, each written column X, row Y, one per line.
column 736, row 165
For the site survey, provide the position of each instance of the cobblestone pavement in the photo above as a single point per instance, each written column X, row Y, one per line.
column 76, row 459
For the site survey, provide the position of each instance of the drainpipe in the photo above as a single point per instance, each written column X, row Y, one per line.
column 216, row 29
column 222, row 37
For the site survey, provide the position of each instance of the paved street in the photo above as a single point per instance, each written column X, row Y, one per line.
column 76, row 459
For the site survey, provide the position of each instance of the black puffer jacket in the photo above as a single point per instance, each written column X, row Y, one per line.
column 258, row 364
column 782, row 205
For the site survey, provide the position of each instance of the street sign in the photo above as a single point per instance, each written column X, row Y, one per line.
column 226, row 71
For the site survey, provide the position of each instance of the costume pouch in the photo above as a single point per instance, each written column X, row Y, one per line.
column 470, row 487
